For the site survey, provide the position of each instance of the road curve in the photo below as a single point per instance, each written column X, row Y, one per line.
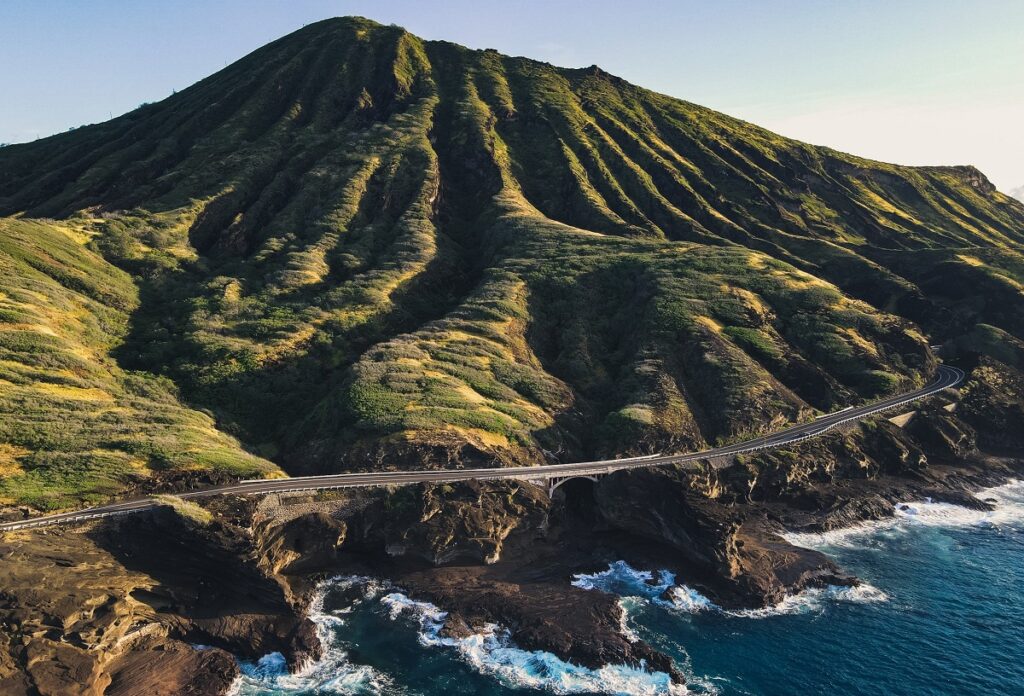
column 946, row 377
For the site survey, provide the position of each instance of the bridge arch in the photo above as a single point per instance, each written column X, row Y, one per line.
column 574, row 500
column 554, row 483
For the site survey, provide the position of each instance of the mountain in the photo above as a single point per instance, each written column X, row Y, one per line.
column 355, row 248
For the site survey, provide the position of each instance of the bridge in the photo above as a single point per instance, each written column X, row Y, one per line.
column 551, row 476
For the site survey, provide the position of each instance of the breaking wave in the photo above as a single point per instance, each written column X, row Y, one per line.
column 660, row 588
column 622, row 579
column 490, row 652
column 813, row 599
column 1009, row 509
column 334, row 673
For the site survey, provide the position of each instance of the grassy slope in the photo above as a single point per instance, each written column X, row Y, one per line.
column 73, row 425
column 362, row 249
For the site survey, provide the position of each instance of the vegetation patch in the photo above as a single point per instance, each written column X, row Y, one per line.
column 193, row 512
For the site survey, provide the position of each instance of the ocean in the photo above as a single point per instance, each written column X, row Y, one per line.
column 941, row 612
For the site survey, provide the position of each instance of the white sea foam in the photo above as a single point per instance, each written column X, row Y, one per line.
column 814, row 599
column 333, row 673
column 631, row 585
column 1009, row 509
column 622, row 579
column 626, row 604
column 690, row 600
column 492, row 652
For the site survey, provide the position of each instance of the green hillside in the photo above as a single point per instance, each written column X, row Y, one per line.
column 75, row 426
column 359, row 249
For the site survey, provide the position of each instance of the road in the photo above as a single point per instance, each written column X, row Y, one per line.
column 945, row 378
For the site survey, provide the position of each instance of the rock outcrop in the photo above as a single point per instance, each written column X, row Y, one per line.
column 117, row 608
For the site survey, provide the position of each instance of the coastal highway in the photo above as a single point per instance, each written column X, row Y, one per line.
column 946, row 377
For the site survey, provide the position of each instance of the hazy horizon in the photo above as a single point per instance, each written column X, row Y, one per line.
column 904, row 81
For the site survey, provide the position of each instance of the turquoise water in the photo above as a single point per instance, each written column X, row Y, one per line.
column 943, row 613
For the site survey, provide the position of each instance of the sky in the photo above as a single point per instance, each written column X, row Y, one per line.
column 906, row 81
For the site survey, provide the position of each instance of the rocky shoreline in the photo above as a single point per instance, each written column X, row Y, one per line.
column 118, row 606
